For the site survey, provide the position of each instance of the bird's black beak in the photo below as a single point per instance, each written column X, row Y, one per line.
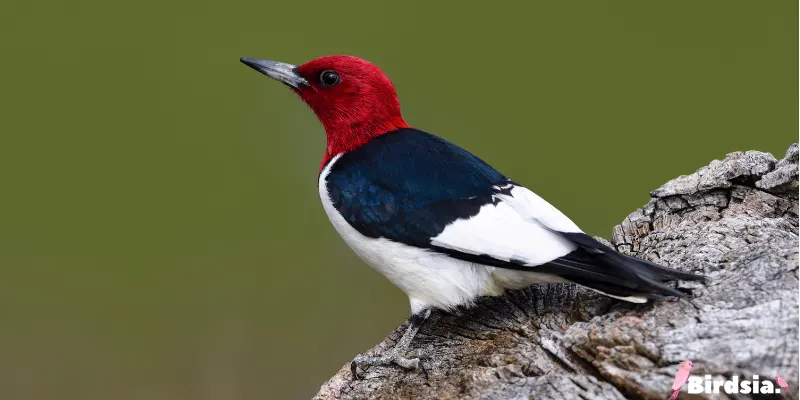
column 277, row 70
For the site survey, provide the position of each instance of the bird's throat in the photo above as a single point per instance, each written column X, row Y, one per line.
column 344, row 136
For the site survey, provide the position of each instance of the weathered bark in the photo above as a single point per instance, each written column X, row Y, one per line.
column 736, row 221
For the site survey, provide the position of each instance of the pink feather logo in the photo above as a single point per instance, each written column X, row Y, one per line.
column 781, row 383
column 732, row 386
column 681, row 378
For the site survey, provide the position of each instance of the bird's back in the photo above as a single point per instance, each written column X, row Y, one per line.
column 407, row 185
column 412, row 193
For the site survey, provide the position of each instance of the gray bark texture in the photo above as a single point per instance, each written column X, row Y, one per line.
column 735, row 221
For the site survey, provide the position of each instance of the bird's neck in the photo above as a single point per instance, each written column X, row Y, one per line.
column 344, row 136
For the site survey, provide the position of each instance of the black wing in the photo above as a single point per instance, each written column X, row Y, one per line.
column 408, row 185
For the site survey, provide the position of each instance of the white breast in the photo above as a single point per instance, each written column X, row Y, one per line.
column 432, row 279
column 428, row 278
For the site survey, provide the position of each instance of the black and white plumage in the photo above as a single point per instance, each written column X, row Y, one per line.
column 437, row 221
column 445, row 227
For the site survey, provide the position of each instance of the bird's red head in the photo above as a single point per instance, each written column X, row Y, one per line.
column 353, row 98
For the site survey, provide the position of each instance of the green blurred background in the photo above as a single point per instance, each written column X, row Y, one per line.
column 161, row 235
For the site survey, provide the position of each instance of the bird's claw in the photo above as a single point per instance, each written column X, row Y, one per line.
column 417, row 354
column 354, row 369
column 411, row 361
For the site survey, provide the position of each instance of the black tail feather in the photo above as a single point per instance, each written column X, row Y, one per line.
column 667, row 273
column 602, row 268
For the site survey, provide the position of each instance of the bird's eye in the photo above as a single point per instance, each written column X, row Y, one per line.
column 329, row 78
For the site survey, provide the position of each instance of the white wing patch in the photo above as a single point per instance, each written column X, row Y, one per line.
column 519, row 227
column 529, row 205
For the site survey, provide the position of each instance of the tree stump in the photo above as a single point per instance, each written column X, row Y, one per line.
column 735, row 221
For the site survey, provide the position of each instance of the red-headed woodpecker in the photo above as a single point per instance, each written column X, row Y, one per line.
column 437, row 221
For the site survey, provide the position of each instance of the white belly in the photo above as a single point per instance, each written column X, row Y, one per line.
column 430, row 279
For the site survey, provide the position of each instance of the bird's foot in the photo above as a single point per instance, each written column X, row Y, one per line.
column 399, row 354
column 409, row 361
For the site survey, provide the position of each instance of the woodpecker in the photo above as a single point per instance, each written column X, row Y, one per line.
column 436, row 220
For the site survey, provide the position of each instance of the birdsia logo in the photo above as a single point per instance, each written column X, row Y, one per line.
column 735, row 385
column 707, row 385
